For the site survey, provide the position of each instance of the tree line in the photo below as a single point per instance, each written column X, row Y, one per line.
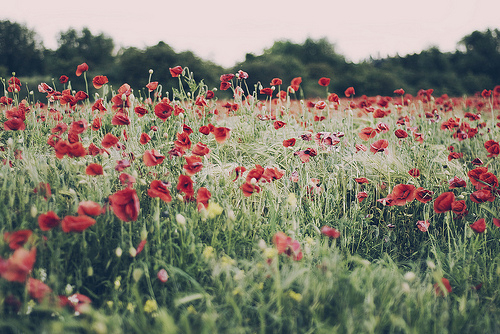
column 472, row 67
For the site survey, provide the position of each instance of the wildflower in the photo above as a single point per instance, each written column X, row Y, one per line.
column 17, row 239
column 125, row 204
column 37, row 289
column 361, row 196
column 423, row 225
column 109, row 140
column 152, row 158
column 367, row 133
column 414, row 172
column 361, row 180
column 221, row 134
column 208, row 252
column 295, row 296
column 200, row 149
column 276, row 82
column 457, row 182
column 89, row 208
column 349, row 91
column 48, row 220
column 150, row 306
column 163, row 110
column 76, row 223
column 402, row 194
column 324, row 81
column 443, row 202
column 379, row 146
column 94, row 169
column 278, row 124
column 63, row 79
column 459, row 208
column 423, row 195
column 99, row 81
column 446, row 284
column 285, row 244
column 330, row 232
column 478, row 226
column 481, row 196
column 162, row 275
column 81, row 68
column 401, row 133
column 176, row 71
column 17, row 267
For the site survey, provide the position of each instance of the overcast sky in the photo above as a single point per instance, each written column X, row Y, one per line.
column 224, row 31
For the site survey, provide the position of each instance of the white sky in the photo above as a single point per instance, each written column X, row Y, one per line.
column 225, row 30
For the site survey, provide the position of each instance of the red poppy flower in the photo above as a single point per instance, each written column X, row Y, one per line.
column 152, row 158
column 239, row 171
column 266, row 91
column 48, row 220
column 140, row 111
column 43, row 189
column 185, row 185
column 379, row 146
column 496, row 222
column 17, row 267
column 204, row 129
column 361, row 196
column 320, row 105
column 272, row 174
column 159, row 189
column 99, row 81
column 17, row 239
column 276, row 82
column 202, row 197
column 163, row 110
column 76, row 223
column 414, row 172
column 402, row 194
column 120, row 118
column 367, row 133
column 126, row 179
column 459, row 208
column 37, row 289
column 125, row 204
column 77, row 302
column 423, row 225
column 152, row 86
column 399, row 91
column 443, row 202
column 481, row 196
column 14, row 124
column 474, row 176
column 492, row 147
column 145, row 138
column 447, row 286
column 286, row 245
column 81, row 68
column 478, row 226
column 305, row 154
column 109, row 140
column 255, row 173
column 248, row 189
column 349, row 91
column 457, row 182
column 401, row 133
column 76, row 150
column 176, row 71
column 200, row 149
column 361, row 180
column 221, row 134
column 63, row 79
column 487, row 180
column 278, row 124
column 477, row 162
column 333, row 98
column 121, row 165
column 89, row 208
column 330, row 232
column 96, row 123
column 324, row 81
column 454, row 155
column 289, row 142
column 193, row 165
column 225, row 85
column 94, row 169
column 423, row 195
column 183, row 142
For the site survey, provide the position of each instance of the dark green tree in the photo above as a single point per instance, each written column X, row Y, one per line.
column 21, row 51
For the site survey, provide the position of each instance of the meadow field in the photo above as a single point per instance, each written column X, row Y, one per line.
column 166, row 210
